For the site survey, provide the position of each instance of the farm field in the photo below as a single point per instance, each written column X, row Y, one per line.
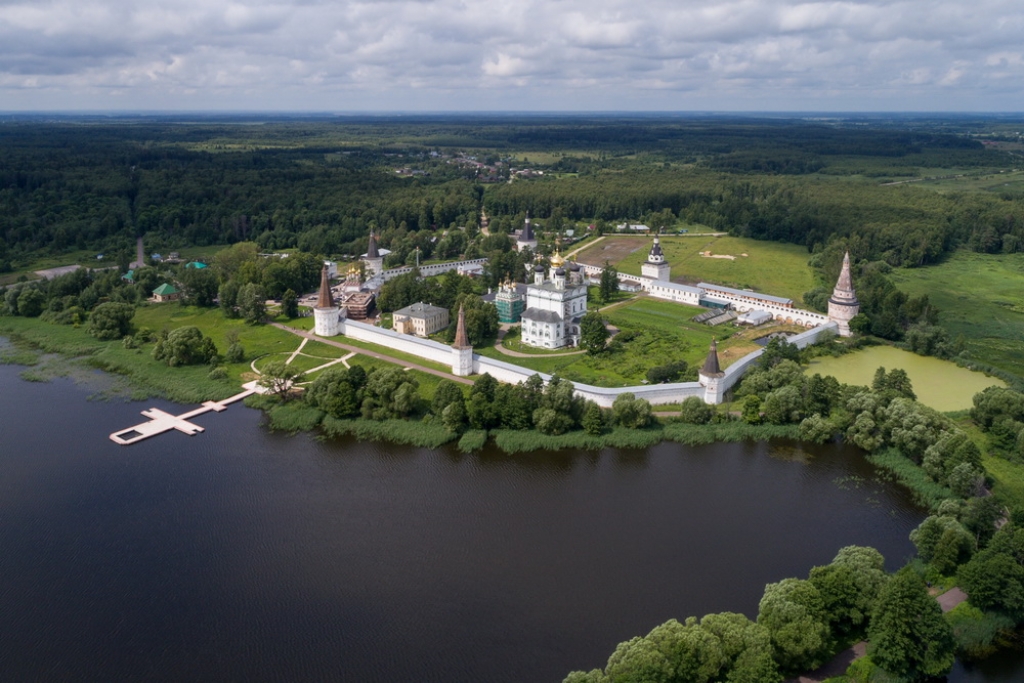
column 653, row 333
column 769, row 267
column 981, row 298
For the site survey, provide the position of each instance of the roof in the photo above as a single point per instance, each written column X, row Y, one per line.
column 746, row 293
column 526, row 235
column 461, row 340
column 711, row 367
column 165, row 289
column 195, row 264
column 371, row 249
column 656, row 249
column 325, row 298
column 541, row 316
column 130, row 275
column 420, row 310
column 676, row 286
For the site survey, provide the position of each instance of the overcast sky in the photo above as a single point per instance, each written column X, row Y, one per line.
column 484, row 55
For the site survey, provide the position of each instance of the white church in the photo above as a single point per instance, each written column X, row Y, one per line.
column 555, row 305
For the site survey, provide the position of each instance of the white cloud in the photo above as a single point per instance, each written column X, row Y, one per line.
column 532, row 54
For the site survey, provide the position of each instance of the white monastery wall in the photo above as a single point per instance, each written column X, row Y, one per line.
column 415, row 346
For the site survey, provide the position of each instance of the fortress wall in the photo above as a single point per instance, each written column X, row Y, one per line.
column 431, row 270
column 415, row 346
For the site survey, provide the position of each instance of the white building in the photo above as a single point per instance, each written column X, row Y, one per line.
column 656, row 267
column 554, row 306
column 374, row 257
column 526, row 238
column 843, row 305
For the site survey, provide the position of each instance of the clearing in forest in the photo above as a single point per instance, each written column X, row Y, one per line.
column 768, row 267
column 981, row 298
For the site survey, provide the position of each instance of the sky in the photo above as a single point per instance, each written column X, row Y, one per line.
column 513, row 55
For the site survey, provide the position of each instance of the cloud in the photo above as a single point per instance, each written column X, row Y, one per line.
column 467, row 54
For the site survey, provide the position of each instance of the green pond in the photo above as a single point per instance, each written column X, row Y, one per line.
column 938, row 383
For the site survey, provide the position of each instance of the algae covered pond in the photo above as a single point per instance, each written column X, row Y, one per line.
column 938, row 383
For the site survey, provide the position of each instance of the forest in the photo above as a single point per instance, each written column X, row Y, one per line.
column 321, row 184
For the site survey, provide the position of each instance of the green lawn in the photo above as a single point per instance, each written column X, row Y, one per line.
column 769, row 267
column 662, row 332
column 980, row 297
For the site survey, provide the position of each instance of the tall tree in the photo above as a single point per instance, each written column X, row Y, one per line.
column 908, row 636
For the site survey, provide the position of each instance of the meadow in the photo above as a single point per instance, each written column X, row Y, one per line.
column 769, row 267
column 651, row 333
column 981, row 299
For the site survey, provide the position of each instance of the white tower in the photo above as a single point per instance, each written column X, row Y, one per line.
column 656, row 267
column 462, row 352
column 526, row 237
column 711, row 375
column 372, row 258
column 326, row 313
column 843, row 305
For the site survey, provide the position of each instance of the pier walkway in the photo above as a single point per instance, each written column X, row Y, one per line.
column 160, row 422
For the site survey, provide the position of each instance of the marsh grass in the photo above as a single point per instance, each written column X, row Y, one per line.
column 405, row 432
column 904, row 471
column 473, row 440
column 294, row 416
column 977, row 634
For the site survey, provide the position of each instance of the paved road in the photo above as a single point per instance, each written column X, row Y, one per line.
column 373, row 354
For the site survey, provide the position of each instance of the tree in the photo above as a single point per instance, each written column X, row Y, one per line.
column 609, row 283
column 30, row 302
column 908, row 636
column 336, row 391
column 695, row 411
column 793, row 612
column 185, row 346
column 199, row 287
column 593, row 419
column 446, row 393
column 111, row 320
column 290, row 304
column 278, row 377
column 227, row 296
column 631, row 412
column 252, row 303
column 593, row 333
column 752, row 409
column 454, row 416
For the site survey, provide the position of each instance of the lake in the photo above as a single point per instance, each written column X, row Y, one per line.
column 241, row 554
column 938, row 384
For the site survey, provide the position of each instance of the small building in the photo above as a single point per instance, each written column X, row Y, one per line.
column 198, row 265
column 358, row 305
column 470, row 269
column 754, row 318
column 420, row 319
column 510, row 300
column 525, row 239
column 166, row 292
column 129, row 277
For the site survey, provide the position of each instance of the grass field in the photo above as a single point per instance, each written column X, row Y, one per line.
column 980, row 297
column 769, row 267
column 663, row 333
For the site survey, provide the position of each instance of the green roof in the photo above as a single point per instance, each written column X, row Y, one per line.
column 130, row 275
column 195, row 264
column 164, row 290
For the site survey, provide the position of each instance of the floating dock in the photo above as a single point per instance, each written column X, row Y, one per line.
column 160, row 422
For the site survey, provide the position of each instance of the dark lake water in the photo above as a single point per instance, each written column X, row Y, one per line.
column 240, row 554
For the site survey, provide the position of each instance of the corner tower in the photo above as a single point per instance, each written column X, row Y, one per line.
column 656, row 267
column 843, row 305
column 710, row 376
column 326, row 312
column 462, row 352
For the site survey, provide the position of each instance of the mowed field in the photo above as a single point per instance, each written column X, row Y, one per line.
column 981, row 297
column 769, row 267
column 662, row 332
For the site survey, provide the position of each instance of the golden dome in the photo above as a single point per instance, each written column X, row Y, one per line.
column 556, row 260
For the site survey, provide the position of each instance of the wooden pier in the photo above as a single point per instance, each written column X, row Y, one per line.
column 160, row 422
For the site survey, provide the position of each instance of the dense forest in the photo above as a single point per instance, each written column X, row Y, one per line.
column 320, row 185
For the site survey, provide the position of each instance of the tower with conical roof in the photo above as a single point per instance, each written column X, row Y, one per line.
column 373, row 259
column 526, row 237
column 656, row 267
column 462, row 351
column 326, row 313
column 710, row 376
column 843, row 305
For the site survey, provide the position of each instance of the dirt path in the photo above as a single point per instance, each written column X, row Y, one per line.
column 518, row 354
column 373, row 354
